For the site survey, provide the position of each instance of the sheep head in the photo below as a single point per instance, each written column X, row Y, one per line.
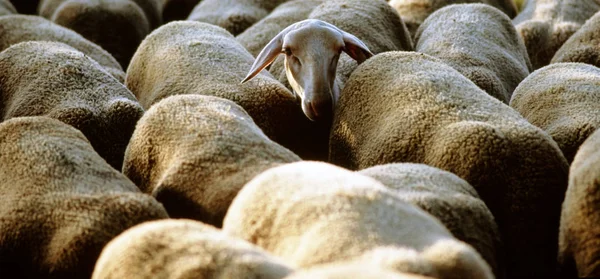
column 312, row 49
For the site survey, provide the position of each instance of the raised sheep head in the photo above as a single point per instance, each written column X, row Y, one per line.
column 312, row 49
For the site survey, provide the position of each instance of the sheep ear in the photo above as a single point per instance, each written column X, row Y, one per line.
column 267, row 55
column 356, row 48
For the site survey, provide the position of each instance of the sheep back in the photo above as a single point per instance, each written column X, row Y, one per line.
column 15, row 29
column 451, row 200
column 579, row 238
column 411, row 107
column 55, row 80
column 583, row 46
column 233, row 15
column 61, row 203
column 562, row 99
column 194, row 153
column 313, row 213
column 480, row 42
column 414, row 12
column 188, row 57
column 341, row 271
column 545, row 25
column 184, row 249
column 98, row 20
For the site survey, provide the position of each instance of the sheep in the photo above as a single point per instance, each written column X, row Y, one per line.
column 342, row 271
column 255, row 37
column 188, row 57
column 177, row 9
column 184, row 249
column 414, row 12
column 448, row 198
column 545, row 25
column 579, row 235
column 314, row 213
column 6, row 8
column 582, row 46
column 233, row 15
column 60, row 203
column 480, row 42
column 563, row 100
column 312, row 48
column 193, row 153
column 97, row 21
column 55, row 80
column 411, row 107
column 15, row 29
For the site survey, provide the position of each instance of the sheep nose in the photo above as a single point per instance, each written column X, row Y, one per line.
column 317, row 111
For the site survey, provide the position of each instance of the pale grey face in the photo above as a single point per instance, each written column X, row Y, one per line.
column 312, row 49
column 311, row 56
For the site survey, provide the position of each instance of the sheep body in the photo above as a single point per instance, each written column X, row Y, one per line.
column 60, row 203
column 410, row 107
column 545, row 25
column 563, row 100
column 480, row 42
column 313, row 213
column 193, row 153
column 184, row 249
column 414, row 12
column 15, row 29
column 233, row 15
column 579, row 238
column 583, row 46
column 97, row 21
column 448, row 198
column 188, row 57
column 56, row 80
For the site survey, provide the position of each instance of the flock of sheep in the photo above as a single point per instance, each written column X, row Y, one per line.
column 296, row 139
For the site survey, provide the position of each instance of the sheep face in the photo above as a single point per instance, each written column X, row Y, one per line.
column 312, row 49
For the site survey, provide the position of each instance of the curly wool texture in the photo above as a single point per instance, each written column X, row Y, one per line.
column 545, row 25
column 480, row 42
column 184, row 249
column 194, row 153
column 234, row 16
column 15, row 29
column 451, row 200
column 411, row 107
column 583, row 46
column 97, row 21
column 60, row 203
column 6, row 8
column 343, row 271
column 579, row 238
column 188, row 57
column 257, row 36
column 414, row 12
column 313, row 213
column 55, row 80
column 562, row 99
